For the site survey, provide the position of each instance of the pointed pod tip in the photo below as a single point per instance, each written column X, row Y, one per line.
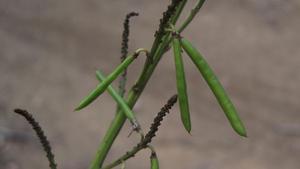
column 188, row 129
column 82, row 104
column 153, row 155
column 78, row 108
column 242, row 133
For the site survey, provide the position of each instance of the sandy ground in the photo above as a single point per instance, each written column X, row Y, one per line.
column 49, row 51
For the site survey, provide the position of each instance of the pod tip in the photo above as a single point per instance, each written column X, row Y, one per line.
column 188, row 129
column 79, row 107
column 153, row 155
column 242, row 133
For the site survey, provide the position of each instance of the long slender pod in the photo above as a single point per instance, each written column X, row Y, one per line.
column 215, row 86
column 181, row 86
column 102, row 86
column 154, row 161
column 121, row 102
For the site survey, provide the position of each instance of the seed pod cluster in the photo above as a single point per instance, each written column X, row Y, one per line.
column 40, row 133
column 211, row 79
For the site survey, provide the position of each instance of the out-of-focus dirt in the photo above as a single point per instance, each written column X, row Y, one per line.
column 49, row 51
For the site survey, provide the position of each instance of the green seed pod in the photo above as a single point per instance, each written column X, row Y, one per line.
column 154, row 161
column 102, row 86
column 121, row 102
column 215, row 86
column 181, row 86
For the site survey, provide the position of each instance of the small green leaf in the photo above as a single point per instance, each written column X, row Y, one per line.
column 181, row 86
column 215, row 86
column 102, row 86
column 121, row 102
column 154, row 161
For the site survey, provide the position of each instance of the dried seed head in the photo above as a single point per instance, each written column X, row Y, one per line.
column 124, row 50
column 166, row 17
column 125, row 36
column 158, row 119
column 40, row 133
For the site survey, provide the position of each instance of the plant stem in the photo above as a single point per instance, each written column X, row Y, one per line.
column 126, row 156
column 149, row 136
column 119, row 119
column 178, row 12
column 193, row 13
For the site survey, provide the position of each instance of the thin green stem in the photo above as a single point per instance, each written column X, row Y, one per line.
column 128, row 155
column 119, row 120
column 193, row 13
column 125, row 157
column 108, row 140
column 151, row 133
column 178, row 12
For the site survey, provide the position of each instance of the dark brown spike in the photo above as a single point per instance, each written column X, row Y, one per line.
column 158, row 119
column 124, row 50
column 166, row 18
column 40, row 133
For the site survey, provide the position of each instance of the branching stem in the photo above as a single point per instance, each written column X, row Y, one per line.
column 153, row 129
column 193, row 13
column 159, row 47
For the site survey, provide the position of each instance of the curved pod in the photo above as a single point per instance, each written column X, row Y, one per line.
column 215, row 86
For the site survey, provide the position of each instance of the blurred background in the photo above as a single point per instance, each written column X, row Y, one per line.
column 50, row 50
